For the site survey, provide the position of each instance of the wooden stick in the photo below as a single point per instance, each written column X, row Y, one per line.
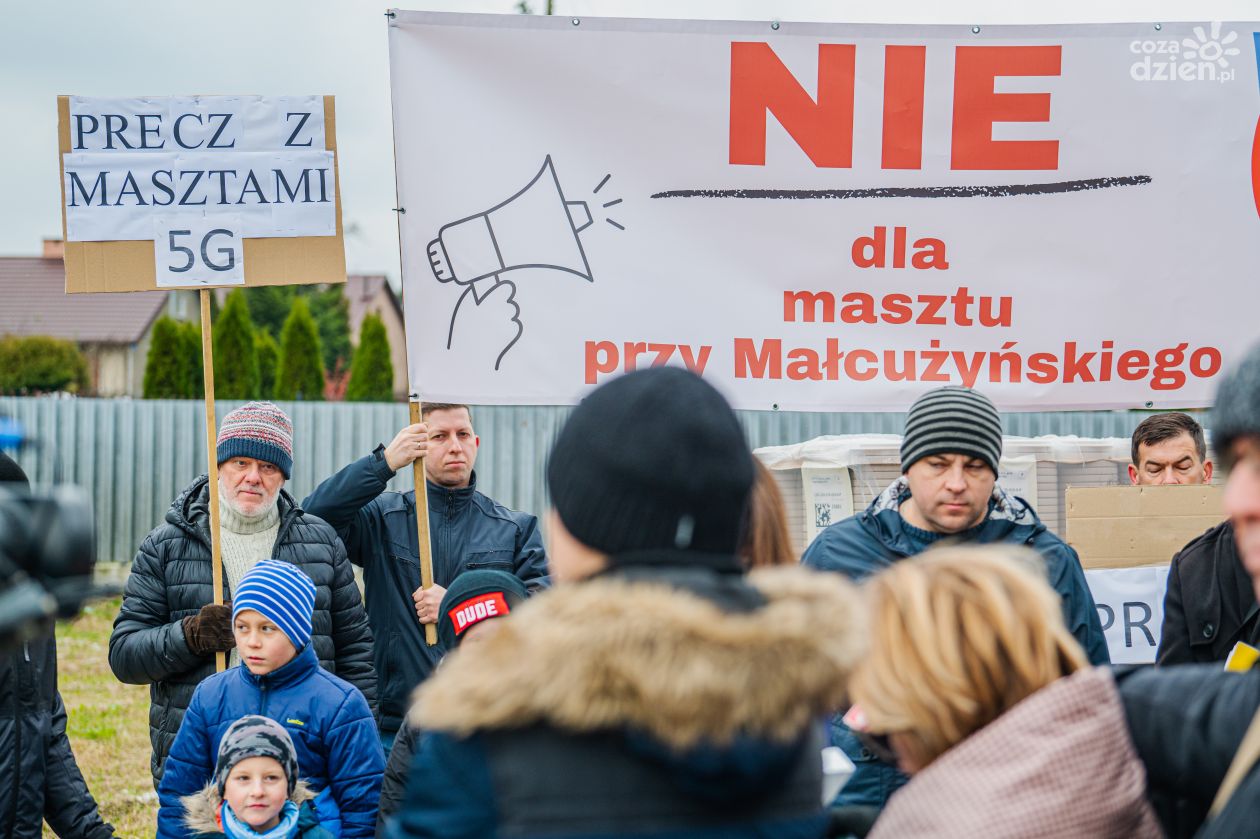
column 212, row 463
column 422, row 528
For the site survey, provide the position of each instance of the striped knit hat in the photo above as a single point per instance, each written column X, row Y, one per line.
column 952, row 420
column 259, row 430
column 280, row 592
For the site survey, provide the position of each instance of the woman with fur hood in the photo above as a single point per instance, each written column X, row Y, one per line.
column 655, row 690
column 975, row 688
column 255, row 792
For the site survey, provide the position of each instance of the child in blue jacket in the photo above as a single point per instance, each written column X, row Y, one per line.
column 255, row 792
column 279, row 676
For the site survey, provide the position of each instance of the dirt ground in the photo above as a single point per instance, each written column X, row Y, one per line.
column 108, row 723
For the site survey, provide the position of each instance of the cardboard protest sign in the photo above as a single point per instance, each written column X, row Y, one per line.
column 195, row 191
column 1126, row 536
column 1129, row 526
column 825, row 217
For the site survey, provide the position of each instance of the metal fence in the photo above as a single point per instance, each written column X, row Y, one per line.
column 134, row 456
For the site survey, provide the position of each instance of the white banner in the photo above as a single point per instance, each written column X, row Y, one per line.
column 1130, row 605
column 826, row 217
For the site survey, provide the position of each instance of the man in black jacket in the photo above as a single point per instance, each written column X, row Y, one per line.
column 1187, row 722
column 168, row 630
column 39, row 778
column 1209, row 604
column 467, row 530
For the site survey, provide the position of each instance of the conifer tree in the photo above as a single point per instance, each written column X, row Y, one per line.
column 236, row 374
column 301, row 373
column 190, row 359
column 371, row 372
column 165, row 371
column 268, row 352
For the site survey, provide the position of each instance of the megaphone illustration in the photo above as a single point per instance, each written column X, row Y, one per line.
column 535, row 228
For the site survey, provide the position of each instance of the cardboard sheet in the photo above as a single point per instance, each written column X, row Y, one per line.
column 131, row 265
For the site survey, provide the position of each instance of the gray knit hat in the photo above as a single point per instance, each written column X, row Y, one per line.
column 255, row 736
column 952, row 420
column 1237, row 411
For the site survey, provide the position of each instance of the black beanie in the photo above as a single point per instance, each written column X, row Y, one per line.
column 952, row 420
column 475, row 596
column 653, row 461
column 10, row 472
column 1237, row 411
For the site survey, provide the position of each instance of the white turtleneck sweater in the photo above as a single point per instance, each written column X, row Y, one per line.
column 244, row 541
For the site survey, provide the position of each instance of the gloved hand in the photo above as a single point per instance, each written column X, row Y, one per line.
column 210, row 630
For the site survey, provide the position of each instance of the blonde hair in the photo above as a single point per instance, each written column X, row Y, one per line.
column 959, row 636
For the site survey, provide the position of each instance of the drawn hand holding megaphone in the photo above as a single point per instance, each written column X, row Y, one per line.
column 535, row 228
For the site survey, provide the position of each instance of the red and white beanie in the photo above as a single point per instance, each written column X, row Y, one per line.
column 259, row 430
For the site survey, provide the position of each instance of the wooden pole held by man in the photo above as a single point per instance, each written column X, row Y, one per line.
column 212, row 463
column 422, row 527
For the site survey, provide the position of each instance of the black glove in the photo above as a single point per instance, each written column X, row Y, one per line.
column 210, row 630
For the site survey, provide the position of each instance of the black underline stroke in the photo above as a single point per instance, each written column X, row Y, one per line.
column 978, row 191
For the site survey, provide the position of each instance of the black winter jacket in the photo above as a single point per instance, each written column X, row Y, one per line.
column 397, row 770
column 170, row 579
column 1210, row 602
column 1186, row 723
column 467, row 529
column 39, row 779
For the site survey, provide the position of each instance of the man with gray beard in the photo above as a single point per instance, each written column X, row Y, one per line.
column 168, row 630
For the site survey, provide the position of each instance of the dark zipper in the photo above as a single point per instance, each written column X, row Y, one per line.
column 262, row 687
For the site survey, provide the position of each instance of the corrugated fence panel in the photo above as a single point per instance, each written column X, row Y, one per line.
column 135, row 456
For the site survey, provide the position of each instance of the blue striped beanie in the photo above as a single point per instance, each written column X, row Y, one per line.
column 283, row 594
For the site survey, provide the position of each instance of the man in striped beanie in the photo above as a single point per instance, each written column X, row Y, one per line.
column 947, row 492
column 169, row 628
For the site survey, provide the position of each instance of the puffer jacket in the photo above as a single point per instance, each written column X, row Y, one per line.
column 874, row 539
column 201, row 814
column 332, row 728
column 1059, row 763
column 646, row 702
column 170, row 580
column 1186, row 723
column 39, row 779
column 467, row 531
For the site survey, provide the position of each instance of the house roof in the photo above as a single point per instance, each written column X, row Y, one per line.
column 362, row 290
column 33, row 301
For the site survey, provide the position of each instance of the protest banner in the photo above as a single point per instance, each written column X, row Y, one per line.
column 825, row 217
column 198, row 192
column 1126, row 537
column 191, row 191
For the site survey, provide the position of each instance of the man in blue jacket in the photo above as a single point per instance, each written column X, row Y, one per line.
column 947, row 492
column 467, row 531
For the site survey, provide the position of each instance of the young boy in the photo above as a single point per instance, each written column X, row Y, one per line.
column 255, row 791
column 279, row 676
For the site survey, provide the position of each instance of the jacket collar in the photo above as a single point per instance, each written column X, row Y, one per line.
column 450, row 501
column 1009, row 518
column 201, row 808
column 191, row 510
column 299, row 667
column 588, row 657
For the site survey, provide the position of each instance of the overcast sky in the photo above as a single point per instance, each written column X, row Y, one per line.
column 157, row 47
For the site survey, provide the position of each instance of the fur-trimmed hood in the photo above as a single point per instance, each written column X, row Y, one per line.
column 201, row 809
column 614, row 653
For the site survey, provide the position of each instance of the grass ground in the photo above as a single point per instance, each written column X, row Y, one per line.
column 108, row 722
